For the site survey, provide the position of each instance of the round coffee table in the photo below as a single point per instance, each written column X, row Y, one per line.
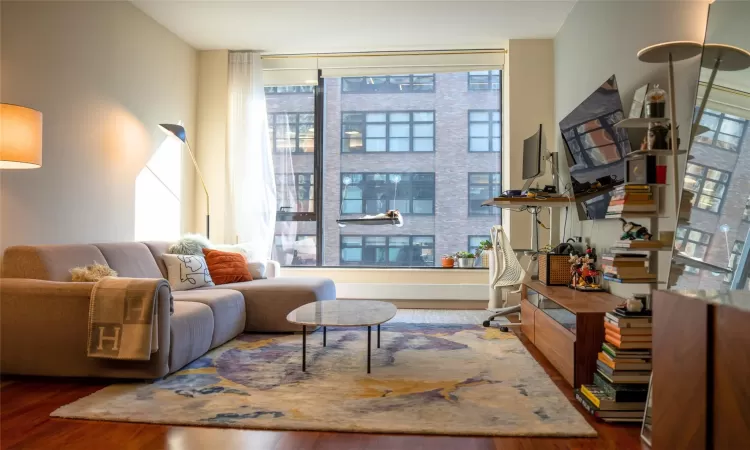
column 342, row 313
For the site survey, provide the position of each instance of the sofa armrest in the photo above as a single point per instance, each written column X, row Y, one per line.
column 273, row 269
column 44, row 331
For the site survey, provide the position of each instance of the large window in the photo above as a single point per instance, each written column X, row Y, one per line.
column 475, row 240
column 484, row 81
column 292, row 132
column 301, row 89
column 298, row 250
column 482, row 187
column 403, row 251
column 484, row 131
column 693, row 243
column 709, row 185
column 374, row 193
column 401, row 131
column 726, row 130
column 398, row 84
column 302, row 185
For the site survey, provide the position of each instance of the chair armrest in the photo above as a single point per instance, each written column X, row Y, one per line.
column 44, row 331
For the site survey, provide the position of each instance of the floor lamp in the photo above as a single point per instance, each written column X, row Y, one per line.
column 178, row 131
column 20, row 137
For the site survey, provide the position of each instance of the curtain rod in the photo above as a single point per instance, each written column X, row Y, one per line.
column 718, row 87
column 395, row 53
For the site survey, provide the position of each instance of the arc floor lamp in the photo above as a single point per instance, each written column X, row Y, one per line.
column 178, row 131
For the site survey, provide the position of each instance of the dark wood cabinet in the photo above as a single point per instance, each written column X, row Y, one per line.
column 567, row 326
column 701, row 371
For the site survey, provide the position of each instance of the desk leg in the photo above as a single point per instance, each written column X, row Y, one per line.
column 304, row 346
column 378, row 335
column 324, row 336
column 369, row 343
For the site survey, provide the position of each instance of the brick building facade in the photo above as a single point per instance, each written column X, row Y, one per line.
column 429, row 171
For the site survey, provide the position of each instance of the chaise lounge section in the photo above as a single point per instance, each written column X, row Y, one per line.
column 43, row 326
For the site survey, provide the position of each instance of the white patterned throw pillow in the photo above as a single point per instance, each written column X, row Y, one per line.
column 187, row 272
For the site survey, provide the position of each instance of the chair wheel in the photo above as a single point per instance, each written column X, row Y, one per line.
column 486, row 323
column 505, row 329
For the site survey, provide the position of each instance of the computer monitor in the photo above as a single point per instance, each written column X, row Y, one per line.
column 532, row 157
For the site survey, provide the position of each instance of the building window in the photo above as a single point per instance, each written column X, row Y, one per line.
column 375, row 193
column 292, row 132
column 482, row 187
column 389, row 84
column 726, row 130
column 746, row 213
column 484, row 81
column 407, row 131
column 475, row 240
column 296, row 250
column 298, row 188
column 484, row 131
column 734, row 258
column 394, row 251
column 708, row 184
column 693, row 243
column 301, row 89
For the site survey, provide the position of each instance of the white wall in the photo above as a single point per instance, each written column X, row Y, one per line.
column 104, row 75
column 599, row 39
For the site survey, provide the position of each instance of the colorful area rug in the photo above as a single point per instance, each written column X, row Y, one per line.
column 426, row 379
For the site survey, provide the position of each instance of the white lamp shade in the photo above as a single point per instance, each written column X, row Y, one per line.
column 20, row 137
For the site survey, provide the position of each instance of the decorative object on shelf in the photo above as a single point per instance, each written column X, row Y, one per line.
column 634, row 305
column 656, row 138
column 20, row 137
column 642, row 170
column 447, row 261
column 583, row 273
column 639, row 99
column 484, row 253
column 656, row 103
column 633, row 231
column 554, row 268
column 465, row 260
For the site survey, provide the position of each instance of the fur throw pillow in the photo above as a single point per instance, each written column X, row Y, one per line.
column 93, row 272
column 190, row 244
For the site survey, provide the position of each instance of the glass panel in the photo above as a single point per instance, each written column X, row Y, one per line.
column 376, row 117
column 423, row 145
column 399, row 130
column 423, row 130
column 479, row 145
column 479, row 129
column 375, row 145
column 479, row 116
column 399, row 117
column 423, row 117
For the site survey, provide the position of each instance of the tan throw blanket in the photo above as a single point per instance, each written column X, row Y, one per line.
column 123, row 318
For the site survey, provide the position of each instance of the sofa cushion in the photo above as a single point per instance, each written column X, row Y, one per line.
column 157, row 249
column 227, row 267
column 268, row 301
column 130, row 259
column 49, row 262
column 190, row 332
column 227, row 306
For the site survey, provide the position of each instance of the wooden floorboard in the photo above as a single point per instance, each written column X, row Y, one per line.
column 25, row 405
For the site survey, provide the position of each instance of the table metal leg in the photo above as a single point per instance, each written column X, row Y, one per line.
column 378, row 335
column 369, row 343
column 324, row 336
column 304, row 346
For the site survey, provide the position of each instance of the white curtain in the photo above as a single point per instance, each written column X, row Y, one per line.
column 251, row 208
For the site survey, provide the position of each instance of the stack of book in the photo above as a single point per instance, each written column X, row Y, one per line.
column 623, row 372
column 637, row 244
column 626, row 268
column 632, row 198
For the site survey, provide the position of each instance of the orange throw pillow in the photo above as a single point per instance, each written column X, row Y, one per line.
column 226, row 267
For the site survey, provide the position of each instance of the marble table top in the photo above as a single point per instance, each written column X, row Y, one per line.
column 342, row 313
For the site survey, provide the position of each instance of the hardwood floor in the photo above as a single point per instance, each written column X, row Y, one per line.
column 25, row 405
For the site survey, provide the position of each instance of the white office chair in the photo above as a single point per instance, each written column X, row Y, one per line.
column 506, row 274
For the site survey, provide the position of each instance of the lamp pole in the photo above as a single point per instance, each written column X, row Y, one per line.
column 205, row 190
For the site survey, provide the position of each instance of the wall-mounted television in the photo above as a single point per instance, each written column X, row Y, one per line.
column 594, row 147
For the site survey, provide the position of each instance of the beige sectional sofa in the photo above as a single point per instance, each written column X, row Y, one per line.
column 43, row 315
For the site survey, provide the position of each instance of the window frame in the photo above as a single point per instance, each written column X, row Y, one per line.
column 387, row 125
column 686, row 239
column 297, row 149
column 388, row 82
column 491, row 211
column 489, row 76
column 276, row 92
column 716, row 132
column 364, row 199
column 387, row 247
column 310, row 184
column 701, row 183
column 490, row 137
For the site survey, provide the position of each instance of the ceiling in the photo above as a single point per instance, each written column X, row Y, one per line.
column 338, row 26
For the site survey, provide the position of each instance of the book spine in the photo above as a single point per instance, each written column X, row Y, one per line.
column 592, row 398
column 591, row 409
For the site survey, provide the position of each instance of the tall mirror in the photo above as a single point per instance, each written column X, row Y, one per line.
column 710, row 241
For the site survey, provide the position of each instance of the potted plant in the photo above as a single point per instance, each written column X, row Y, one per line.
column 484, row 251
column 465, row 260
column 447, row 261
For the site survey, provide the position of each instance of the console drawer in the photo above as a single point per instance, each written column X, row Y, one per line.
column 556, row 343
column 527, row 319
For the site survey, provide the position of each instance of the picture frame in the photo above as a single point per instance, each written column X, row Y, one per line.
column 639, row 99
